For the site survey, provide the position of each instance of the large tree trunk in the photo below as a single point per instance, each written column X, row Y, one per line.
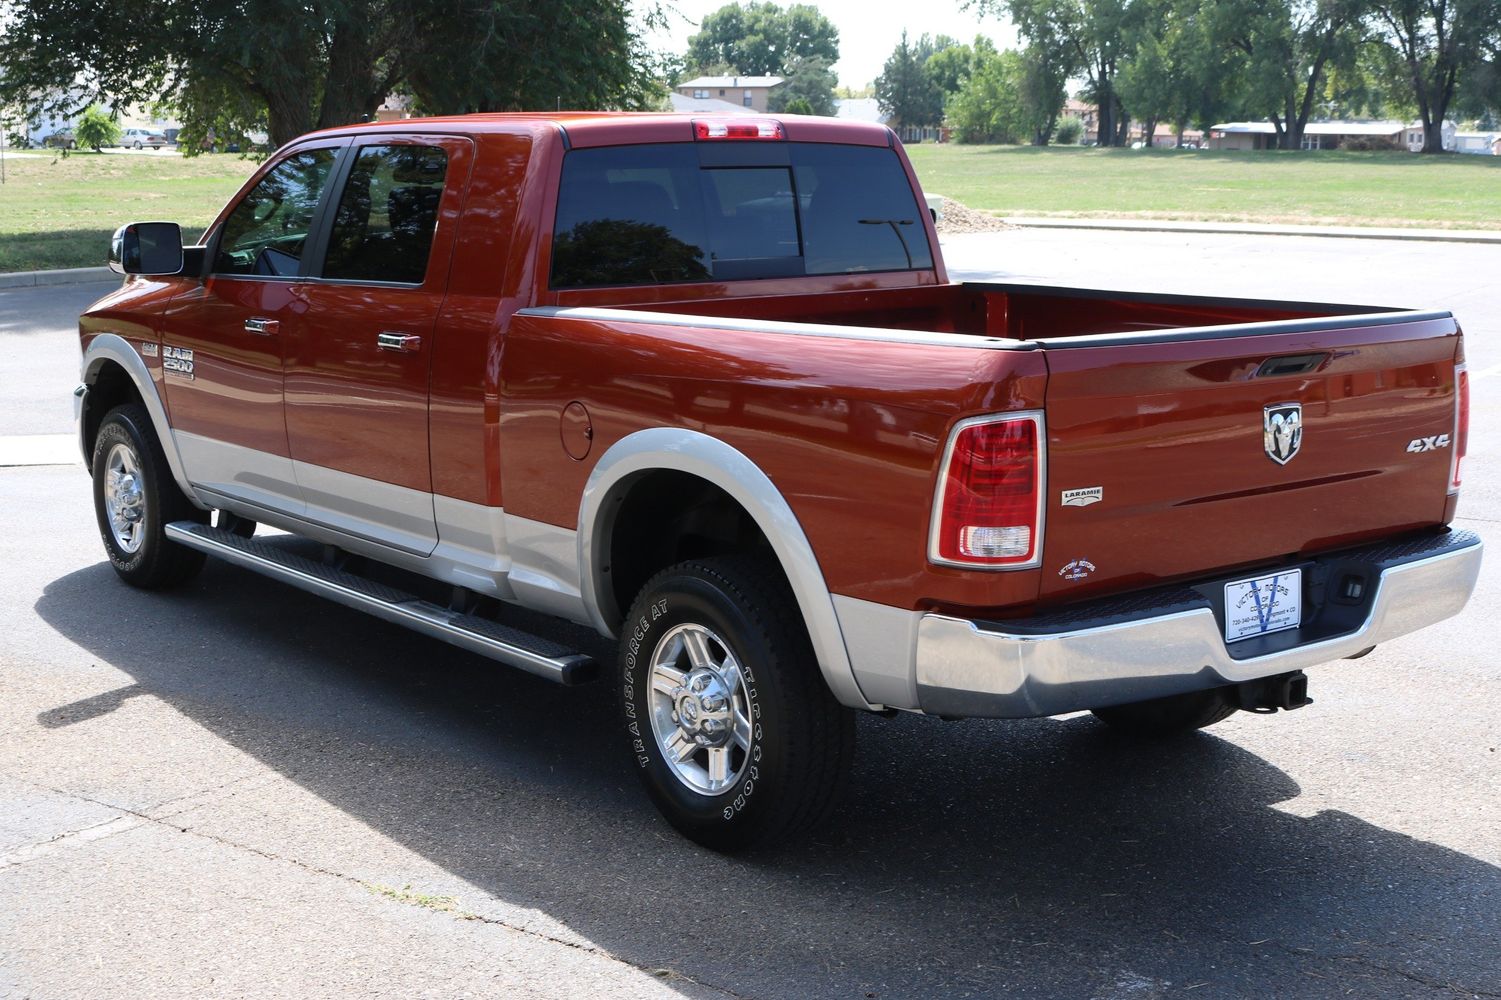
column 349, row 89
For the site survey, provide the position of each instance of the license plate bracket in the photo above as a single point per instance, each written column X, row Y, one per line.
column 1264, row 604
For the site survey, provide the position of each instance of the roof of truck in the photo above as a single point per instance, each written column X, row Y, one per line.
column 612, row 128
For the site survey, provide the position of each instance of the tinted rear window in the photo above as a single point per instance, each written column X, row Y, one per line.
column 641, row 215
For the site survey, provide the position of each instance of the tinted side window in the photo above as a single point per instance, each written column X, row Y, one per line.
column 859, row 212
column 266, row 231
column 383, row 228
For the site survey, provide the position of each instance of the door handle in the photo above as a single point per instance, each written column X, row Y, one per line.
column 405, row 343
column 264, row 327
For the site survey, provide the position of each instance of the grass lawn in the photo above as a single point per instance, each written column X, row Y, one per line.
column 1317, row 188
column 57, row 212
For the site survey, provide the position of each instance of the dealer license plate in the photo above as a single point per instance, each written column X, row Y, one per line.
column 1265, row 604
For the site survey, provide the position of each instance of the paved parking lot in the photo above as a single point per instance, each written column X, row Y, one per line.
column 239, row 790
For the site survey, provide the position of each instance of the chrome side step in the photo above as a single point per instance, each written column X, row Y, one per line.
column 491, row 639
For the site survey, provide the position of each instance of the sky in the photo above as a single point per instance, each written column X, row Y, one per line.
column 868, row 29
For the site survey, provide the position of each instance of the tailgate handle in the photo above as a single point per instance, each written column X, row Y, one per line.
column 1290, row 364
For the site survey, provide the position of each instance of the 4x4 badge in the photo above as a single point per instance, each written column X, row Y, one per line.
column 1282, row 431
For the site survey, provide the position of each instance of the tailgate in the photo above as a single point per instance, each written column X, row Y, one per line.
column 1169, row 432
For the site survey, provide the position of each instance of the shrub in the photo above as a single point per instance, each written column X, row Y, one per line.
column 798, row 106
column 97, row 129
column 1069, row 132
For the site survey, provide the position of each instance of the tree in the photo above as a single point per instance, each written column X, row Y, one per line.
column 798, row 106
column 904, row 89
column 1439, row 41
column 1288, row 47
column 809, row 81
column 762, row 39
column 989, row 107
column 1178, row 72
column 307, row 64
column 97, row 128
column 1072, row 36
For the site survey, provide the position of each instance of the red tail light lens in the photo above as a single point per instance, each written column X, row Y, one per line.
column 989, row 505
column 1461, row 423
column 744, row 128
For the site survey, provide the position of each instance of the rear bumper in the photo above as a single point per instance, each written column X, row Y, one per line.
column 1170, row 642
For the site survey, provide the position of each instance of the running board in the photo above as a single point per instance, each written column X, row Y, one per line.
column 488, row 638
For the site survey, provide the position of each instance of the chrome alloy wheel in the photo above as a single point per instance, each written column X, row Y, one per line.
column 125, row 498
column 700, row 709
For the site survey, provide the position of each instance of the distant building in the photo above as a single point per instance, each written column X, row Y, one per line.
column 1393, row 135
column 1481, row 143
column 751, row 92
column 707, row 105
column 394, row 108
column 1088, row 116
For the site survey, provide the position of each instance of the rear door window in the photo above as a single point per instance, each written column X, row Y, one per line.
column 266, row 232
column 387, row 214
column 659, row 214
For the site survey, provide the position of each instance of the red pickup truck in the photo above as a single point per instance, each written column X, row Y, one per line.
column 703, row 385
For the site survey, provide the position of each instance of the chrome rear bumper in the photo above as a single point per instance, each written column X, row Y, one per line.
column 1111, row 654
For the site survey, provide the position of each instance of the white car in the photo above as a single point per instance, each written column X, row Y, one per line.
column 143, row 138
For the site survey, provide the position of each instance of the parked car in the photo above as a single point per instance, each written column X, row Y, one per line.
column 61, row 139
column 617, row 371
column 142, row 138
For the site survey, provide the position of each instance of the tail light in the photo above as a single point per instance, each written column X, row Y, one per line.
column 1461, row 423
column 741, row 128
column 988, row 512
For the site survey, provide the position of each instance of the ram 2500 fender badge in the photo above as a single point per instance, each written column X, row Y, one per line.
column 1282, row 431
column 1083, row 497
column 1433, row 443
column 177, row 361
column 1077, row 570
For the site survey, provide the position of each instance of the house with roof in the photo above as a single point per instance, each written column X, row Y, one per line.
column 1393, row 135
column 1478, row 143
column 752, row 92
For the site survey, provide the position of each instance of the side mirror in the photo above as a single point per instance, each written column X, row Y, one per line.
column 146, row 248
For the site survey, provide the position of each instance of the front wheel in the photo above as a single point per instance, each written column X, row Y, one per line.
column 135, row 497
column 736, row 737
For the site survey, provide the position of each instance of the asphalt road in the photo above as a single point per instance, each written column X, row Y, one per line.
column 240, row 790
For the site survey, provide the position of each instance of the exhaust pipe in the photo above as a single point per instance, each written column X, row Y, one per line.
column 1267, row 695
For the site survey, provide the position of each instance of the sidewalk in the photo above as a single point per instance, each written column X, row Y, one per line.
column 61, row 276
column 1260, row 229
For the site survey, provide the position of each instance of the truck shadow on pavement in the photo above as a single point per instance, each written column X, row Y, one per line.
column 969, row 859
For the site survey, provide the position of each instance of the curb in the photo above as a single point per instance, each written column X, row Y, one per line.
column 61, row 276
column 1259, row 229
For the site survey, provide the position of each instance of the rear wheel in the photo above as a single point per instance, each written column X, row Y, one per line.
column 1172, row 716
column 135, row 497
column 735, row 735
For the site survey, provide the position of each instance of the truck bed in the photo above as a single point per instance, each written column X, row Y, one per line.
column 1159, row 405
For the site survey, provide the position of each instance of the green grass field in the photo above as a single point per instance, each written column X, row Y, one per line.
column 57, row 212
column 1321, row 188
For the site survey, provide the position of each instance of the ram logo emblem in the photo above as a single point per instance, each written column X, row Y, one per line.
column 1282, row 431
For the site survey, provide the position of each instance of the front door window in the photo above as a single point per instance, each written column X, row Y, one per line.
column 266, row 233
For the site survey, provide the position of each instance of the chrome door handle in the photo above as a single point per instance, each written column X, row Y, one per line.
column 264, row 327
column 406, row 343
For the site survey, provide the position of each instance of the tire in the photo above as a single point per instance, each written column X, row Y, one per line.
column 1161, row 718
column 137, row 146
column 778, row 745
column 135, row 497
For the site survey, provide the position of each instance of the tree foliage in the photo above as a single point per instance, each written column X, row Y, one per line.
column 1009, row 97
column 808, row 82
column 919, row 76
column 762, row 39
column 97, row 128
column 306, row 64
column 1439, row 42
